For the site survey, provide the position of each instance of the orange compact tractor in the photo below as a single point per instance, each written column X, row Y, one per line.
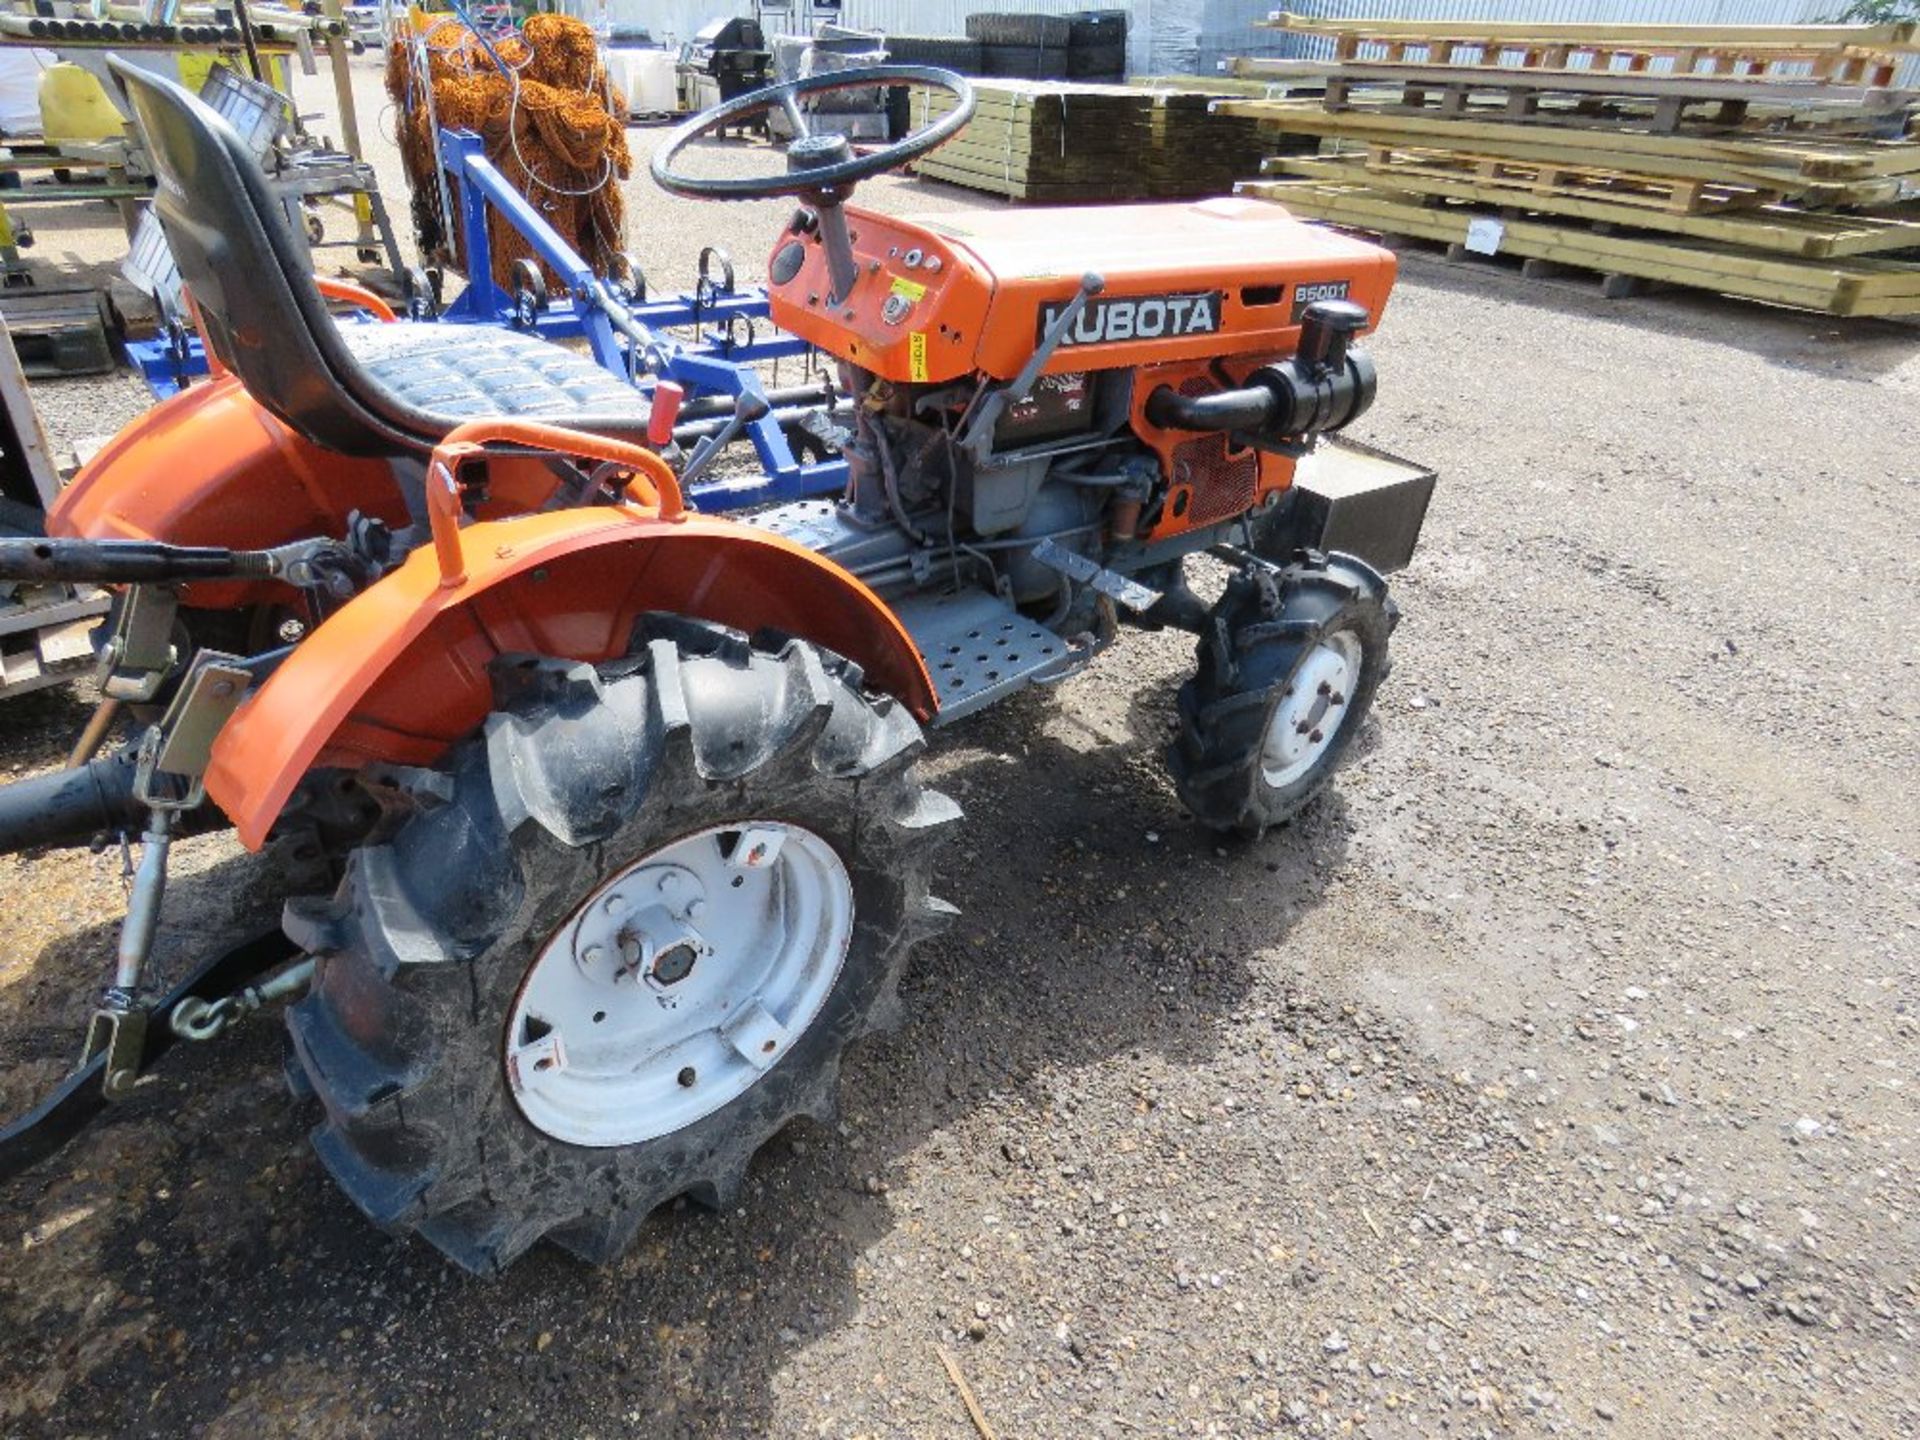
column 620, row 797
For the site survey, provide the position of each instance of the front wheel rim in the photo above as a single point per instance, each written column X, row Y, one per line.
column 1312, row 709
column 679, row 983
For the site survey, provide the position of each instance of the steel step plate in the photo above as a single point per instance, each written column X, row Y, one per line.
column 979, row 649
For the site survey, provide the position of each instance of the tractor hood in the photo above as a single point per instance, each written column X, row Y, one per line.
column 942, row 297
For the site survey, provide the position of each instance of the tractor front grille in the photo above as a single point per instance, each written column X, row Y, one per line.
column 1223, row 482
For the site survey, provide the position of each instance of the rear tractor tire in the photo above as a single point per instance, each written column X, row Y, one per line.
column 657, row 901
column 1288, row 664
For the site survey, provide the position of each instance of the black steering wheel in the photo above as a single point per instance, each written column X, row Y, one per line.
column 816, row 164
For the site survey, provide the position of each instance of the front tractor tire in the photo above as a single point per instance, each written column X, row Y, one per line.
column 1288, row 663
column 658, row 900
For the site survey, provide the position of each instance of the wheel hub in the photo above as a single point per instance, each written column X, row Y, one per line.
column 678, row 982
column 671, row 966
column 1311, row 709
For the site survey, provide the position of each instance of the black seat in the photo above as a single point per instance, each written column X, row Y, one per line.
column 360, row 389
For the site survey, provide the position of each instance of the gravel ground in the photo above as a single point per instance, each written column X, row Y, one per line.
column 1552, row 1075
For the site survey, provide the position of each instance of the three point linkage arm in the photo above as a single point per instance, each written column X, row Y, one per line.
column 147, row 562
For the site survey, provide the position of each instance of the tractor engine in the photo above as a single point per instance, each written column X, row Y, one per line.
column 1131, row 390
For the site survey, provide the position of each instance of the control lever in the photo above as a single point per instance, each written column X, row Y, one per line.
column 842, row 268
column 977, row 427
column 749, row 407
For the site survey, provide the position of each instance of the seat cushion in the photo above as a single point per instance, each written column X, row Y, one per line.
column 469, row 372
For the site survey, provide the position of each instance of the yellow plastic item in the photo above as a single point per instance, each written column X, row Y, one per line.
column 196, row 65
column 74, row 106
column 423, row 21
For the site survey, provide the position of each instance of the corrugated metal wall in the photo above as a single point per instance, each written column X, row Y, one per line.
column 1195, row 35
column 1171, row 36
column 667, row 20
column 949, row 17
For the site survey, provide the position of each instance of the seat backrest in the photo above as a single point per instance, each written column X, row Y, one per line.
column 262, row 315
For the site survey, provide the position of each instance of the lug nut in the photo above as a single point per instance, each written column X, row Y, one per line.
column 1326, row 688
column 687, row 1077
column 1316, row 737
column 616, row 903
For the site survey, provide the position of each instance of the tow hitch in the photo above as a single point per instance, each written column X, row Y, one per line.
column 222, row 984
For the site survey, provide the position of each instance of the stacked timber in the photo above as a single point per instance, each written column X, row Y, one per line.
column 1196, row 152
column 1771, row 162
column 1059, row 142
column 1043, row 140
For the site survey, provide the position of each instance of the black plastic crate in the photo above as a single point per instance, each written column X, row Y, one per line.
column 1097, row 27
column 1051, row 31
column 1024, row 62
column 1097, row 62
column 949, row 52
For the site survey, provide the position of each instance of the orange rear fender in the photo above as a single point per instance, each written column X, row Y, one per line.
column 400, row 673
column 210, row 466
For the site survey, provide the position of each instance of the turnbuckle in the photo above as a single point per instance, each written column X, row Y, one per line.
column 118, row 1029
column 169, row 777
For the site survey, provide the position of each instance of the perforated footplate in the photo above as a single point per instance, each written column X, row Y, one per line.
column 472, row 371
column 978, row 649
column 815, row 524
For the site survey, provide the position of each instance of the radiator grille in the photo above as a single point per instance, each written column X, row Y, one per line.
column 1223, row 484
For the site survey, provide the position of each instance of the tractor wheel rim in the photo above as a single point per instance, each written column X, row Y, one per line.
column 1313, row 705
column 679, row 983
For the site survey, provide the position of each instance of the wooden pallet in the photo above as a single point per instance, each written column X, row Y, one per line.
column 1849, row 54
column 1881, row 114
column 1662, row 103
column 1719, row 120
column 1403, row 167
column 1894, row 36
column 59, row 330
column 1774, row 228
column 1836, row 287
column 46, row 635
column 1790, row 165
